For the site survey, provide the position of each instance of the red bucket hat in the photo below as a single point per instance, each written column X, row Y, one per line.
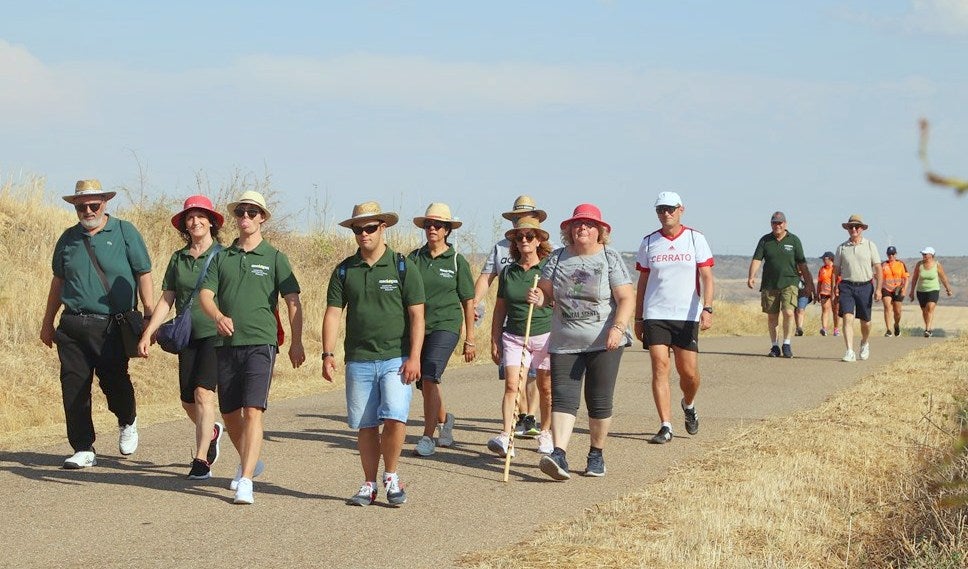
column 587, row 212
column 196, row 202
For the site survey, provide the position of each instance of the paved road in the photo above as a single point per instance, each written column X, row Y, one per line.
column 141, row 512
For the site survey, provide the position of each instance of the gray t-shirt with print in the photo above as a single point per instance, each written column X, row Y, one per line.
column 584, row 305
column 499, row 258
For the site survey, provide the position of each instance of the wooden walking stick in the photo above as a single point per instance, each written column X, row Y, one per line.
column 522, row 384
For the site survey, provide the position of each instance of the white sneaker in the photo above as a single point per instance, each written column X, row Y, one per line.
column 849, row 356
column 128, row 438
column 425, row 446
column 259, row 467
column 445, row 431
column 81, row 459
column 499, row 445
column 865, row 351
column 545, row 442
column 243, row 494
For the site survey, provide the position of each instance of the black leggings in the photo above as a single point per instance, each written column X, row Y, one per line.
column 600, row 370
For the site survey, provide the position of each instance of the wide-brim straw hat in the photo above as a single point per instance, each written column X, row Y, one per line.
column 524, row 224
column 524, row 205
column 370, row 211
column 438, row 212
column 587, row 212
column 196, row 202
column 855, row 219
column 88, row 189
column 251, row 197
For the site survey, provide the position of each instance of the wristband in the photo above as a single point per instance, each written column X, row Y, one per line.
column 328, row 355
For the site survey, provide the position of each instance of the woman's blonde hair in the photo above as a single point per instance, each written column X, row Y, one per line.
column 604, row 235
column 544, row 249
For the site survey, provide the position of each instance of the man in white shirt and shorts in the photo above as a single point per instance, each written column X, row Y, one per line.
column 673, row 302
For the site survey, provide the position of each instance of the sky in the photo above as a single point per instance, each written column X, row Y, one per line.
column 742, row 107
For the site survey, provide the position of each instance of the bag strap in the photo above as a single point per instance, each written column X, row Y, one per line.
column 216, row 249
column 97, row 265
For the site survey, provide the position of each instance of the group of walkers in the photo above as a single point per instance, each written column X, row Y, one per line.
column 848, row 284
column 560, row 325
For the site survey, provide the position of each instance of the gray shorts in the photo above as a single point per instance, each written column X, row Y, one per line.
column 244, row 375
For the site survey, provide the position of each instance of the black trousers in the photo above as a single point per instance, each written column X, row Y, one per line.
column 87, row 346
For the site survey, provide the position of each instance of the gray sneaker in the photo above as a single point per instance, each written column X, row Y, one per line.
column 692, row 418
column 425, row 446
column 596, row 465
column 365, row 496
column 662, row 437
column 445, row 431
column 555, row 465
column 395, row 494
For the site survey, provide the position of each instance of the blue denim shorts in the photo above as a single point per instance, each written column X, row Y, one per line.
column 375, row 391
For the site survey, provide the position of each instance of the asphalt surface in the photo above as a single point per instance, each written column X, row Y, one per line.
column 140, row 511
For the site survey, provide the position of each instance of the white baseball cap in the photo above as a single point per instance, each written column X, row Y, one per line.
column 668, row 198
column 927, row 251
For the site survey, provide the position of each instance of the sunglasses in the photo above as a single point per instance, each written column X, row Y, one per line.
column 368, row 229
column 777, row 222
column 241, row 211
column 529, row 236
column 438, row 225
column 85, row 207
column 666, row 209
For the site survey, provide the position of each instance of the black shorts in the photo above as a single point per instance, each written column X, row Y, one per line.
column 438, row 346
column 197, row 367
column 244, row 376
column 856, row 298
column 897, row 295
column 679, row 333
column 925, row 297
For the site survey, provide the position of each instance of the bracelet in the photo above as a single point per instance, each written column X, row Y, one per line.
column 619, row 328
column 471, row 344
column 328, row 355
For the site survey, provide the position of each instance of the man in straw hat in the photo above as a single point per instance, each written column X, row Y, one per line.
column 500, row 257
column 88, row 341
column 858, row 264
column 248, row 278
column 383, row 295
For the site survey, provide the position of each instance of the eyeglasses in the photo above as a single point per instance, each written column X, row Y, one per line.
column 854, row 227
column 241, row 211
column 666, row 209
column 85, row 207
column 525, row 236
column 438, row 225
column 583, row 223
column 368, row 229
column 777, row 222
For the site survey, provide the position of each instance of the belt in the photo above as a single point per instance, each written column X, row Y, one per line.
column 82, row 315
column 857, row 282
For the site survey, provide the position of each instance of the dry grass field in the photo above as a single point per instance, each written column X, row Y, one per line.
column 866, row 480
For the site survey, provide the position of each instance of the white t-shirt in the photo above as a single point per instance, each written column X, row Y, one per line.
column 673, row 265
column 499, row 258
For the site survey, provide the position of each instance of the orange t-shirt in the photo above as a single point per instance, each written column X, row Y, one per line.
column 893, row 274
column 824, row 280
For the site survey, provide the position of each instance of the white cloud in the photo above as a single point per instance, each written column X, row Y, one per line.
column 944, row 16
column 32, row 91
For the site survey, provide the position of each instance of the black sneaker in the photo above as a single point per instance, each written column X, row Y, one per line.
column 200, row 470
column 692, row 419
column 774, row 352
column 799, row 331
column 555, row 465
column 595, row 466
column 213, row 449
column 897, row 330
column 662, row 437
column 787, row 351
column 519, row 425
column 530, row 427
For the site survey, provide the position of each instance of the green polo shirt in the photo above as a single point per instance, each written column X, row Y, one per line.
column 180, row 277
column 377, row 321
column 247, row 285
column 780, row 260
column 122, row 254
column 513, row 285
column 447, row 282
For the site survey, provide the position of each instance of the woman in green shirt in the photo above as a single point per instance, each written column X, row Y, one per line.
column 925, row 282
column 199, row 224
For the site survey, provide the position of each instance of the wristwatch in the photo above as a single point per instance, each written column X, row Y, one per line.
column 708, row 309
column 328, row 354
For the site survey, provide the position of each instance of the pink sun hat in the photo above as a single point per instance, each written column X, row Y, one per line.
column 196, row 202
column 588, row 212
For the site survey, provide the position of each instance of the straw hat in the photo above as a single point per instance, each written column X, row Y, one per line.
column 587, row 212
column 439, row 212
column 196, row 202
column 524, row 205
column 855, row 219
column 251, row 197
column 367, row 211
column 88, row 189
column 525, row 223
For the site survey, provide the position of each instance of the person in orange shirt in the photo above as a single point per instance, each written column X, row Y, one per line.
column 825, row 292
column 895, row 277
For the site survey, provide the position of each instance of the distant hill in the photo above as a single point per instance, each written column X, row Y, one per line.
column 731, row 272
